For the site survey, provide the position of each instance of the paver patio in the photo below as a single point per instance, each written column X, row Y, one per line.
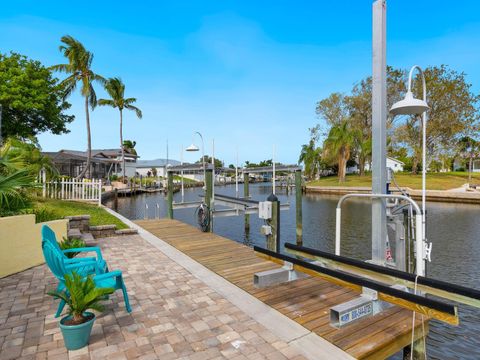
column 175, row 315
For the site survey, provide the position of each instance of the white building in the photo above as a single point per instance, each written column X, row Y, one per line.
column 394, row 164
column 143, row 167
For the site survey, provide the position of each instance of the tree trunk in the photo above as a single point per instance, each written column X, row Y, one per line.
column 470, row 163
column 414, row 165
column 361, row 164
column 121, row 146
column 341, row 167
column 87, row 169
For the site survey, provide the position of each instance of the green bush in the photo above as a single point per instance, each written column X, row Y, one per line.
column 42, row 214
column 72, row 243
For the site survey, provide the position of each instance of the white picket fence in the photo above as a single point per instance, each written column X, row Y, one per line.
column 89, row 190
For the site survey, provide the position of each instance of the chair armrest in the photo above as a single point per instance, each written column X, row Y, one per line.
column 81, row 259
column 86, row 249
column 110, row 274
column 81, row 264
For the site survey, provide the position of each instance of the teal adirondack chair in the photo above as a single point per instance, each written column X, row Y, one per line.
column 100, row 265
column 59, row 267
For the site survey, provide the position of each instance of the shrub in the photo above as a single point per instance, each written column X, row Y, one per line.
column 72, row 243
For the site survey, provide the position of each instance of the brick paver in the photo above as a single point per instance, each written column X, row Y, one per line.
column 175, row 315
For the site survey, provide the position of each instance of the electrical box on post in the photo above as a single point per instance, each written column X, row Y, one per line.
column 265, row 210
column 266, row 230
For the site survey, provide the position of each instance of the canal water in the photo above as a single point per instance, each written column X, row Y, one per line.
column 454, row 230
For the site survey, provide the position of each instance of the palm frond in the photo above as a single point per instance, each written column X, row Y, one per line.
column 138, row 112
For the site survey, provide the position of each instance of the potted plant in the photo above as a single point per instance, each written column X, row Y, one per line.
column 81, row 294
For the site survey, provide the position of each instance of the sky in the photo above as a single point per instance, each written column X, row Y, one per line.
column 245, row 74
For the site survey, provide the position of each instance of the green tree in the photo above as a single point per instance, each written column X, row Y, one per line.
column 79, row 68
column 453, row 109
column 469, row 148
column 208, row 160
column 14, row 181
column 338, row 146
column 129, row 145
column 29, row 156
column 31, row 98
column 116, row 89
column 310, row 156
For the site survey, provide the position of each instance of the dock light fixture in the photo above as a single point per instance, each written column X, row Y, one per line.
column 411, row 106
column 193, row 148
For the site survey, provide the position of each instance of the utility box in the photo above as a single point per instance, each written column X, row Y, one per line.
column 266, row 230
column 265, row 210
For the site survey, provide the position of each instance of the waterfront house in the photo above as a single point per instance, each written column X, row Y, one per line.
column 104, row 162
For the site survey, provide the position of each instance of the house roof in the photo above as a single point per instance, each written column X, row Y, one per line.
column 112, row 152
column 156, row 163
column 396, row 160
column 65, row 155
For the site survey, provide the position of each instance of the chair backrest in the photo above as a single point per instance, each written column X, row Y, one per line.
column 49, row 235
column 54, row 259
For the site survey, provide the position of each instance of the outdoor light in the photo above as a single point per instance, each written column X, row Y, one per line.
column 192, row 147
column 409, row 106
column 412, row 106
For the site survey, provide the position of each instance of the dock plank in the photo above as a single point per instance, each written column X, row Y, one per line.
column 306, row 301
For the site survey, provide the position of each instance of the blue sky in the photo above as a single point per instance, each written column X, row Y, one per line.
column 245, row 73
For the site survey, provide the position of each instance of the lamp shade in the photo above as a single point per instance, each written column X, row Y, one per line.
column 409, row 106
column 192, row 147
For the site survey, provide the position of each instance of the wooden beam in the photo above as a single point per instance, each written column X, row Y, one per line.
column 445, row 313
column 389, row 279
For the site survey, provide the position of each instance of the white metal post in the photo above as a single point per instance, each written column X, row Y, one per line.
column 44, row 181
column 273, row 176
column 212, row 202
column 181, row 174
column 379, row 138
column 100, row 192
column 236, row 174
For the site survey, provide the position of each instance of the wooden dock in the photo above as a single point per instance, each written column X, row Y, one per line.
column 306, row 301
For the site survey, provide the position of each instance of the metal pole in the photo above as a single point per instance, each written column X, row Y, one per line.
column 181, row 174
column 298, row 205
column 246, row 195
column 213, row 174
column 208, row 196
column 379, row 116
column 236, row 175
column 273, row 176
column 170, row 194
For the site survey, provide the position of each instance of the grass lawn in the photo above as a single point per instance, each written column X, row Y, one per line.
column 50, row 209
column 435, row 181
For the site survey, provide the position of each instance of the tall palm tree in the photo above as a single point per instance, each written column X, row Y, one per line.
column 310, row 156
column 338, row 144
column 79, row 68
column 116, row 89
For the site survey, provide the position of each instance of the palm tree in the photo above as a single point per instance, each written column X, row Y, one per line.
column 310, row 156
column 14, row 180
column 469, row 147
column 116, row 89
column 130, row 146
column 338, row 144
column 79, row 67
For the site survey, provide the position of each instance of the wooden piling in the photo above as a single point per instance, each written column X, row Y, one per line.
column 273, row 240
column 170, row 194
column 208, row 195
column 298, row 206
column 246, row 195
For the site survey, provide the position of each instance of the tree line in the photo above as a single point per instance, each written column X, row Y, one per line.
column 33, row 100
column 346, row 137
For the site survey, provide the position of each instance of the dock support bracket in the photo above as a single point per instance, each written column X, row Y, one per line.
column 277, row 276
